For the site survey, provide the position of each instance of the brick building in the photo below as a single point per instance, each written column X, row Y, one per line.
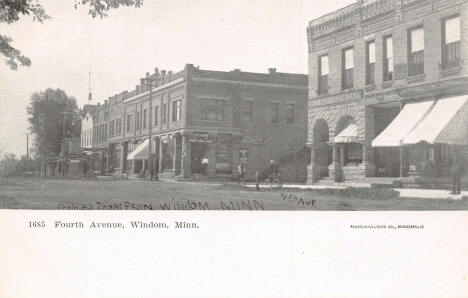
column 206, row 123
column 387, row 89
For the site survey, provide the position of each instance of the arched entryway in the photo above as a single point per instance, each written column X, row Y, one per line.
column 348, row 151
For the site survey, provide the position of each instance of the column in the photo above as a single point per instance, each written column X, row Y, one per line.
column 336, row 165
column 235, row 161
column 313, row 173
column 121, row 157
column 160, row 154
column 174, row 153
column 211, row 171
column 186, row 156
column 367, row 164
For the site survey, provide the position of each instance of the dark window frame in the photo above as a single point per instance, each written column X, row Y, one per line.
column 322, row 87
column 347, row 75
column 416, row 59
column 370, row 67
column 450, row 53
column 387, row 74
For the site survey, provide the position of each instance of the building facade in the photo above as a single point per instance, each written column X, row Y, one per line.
column 207, row 125
column 379, row 73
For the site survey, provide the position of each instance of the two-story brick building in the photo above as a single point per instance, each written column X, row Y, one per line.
column 387, row 89
column 206, row 123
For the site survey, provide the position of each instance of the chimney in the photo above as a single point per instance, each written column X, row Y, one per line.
column 163, row 72
column 156, row 71
column 169, row 74
column 271, row 70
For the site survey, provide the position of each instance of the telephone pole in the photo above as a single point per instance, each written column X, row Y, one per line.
column 149, row 82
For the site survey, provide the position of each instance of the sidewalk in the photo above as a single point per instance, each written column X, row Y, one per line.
column 404, row 192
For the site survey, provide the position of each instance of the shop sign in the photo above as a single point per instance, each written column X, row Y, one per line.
column 256, row 140
column 200, row 137
column 243, row 155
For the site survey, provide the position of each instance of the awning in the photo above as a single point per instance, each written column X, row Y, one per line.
column 347, row 135
column 447, row 122
column 404, row 123
column 140, row 152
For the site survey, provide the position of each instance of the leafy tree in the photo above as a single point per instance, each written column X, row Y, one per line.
column 12, row 10
column 47, row 112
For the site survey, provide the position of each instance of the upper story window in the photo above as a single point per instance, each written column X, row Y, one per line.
column 416, row 51
column 176, row 110
column 290, row 114
column 164, row 111
column 370, row 63
column 323, row 71
column 347, row 69
column 144, row 118
column 274, row 112
column 137, row 120
column 212, row 109
column 387, row 58
column 247, row 111
column 111, row 127
column 451, row 42
column 129, row 122
column 156, row 115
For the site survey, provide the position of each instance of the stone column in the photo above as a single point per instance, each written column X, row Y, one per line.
column 235, row 162
column 314, row 168
column 335, row 168
column 160, row 155
column 367, row 164
column 186, row 156
column 121, row 157
column 211, row 170
column 174, row 153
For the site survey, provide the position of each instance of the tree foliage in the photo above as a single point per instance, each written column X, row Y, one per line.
column 47, row 112
column 12, row 10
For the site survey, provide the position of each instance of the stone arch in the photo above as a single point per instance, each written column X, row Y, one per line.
column 321, row 131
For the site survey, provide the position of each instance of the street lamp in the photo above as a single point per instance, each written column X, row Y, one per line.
column 149, row 83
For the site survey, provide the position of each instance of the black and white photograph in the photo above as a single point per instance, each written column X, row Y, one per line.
column 300, row 109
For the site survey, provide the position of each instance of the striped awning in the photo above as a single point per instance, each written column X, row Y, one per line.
column 406, row 121
column 140, row 152
column 347, row 135
column 447, row 122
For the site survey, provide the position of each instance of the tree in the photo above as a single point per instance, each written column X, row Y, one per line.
column 47, row 112
column 12, row 10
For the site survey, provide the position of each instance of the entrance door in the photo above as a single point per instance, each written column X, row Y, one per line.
column 199, row 158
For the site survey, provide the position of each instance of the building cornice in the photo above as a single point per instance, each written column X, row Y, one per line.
column 245, row 83
column 154, row 90
column 367, row 17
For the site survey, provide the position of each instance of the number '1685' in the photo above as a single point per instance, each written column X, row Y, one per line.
column 37, row 224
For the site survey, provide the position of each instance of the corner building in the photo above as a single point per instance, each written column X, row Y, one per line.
column 388, row 90
column 206, row 123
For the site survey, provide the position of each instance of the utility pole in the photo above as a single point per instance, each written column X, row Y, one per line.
column 149, row 83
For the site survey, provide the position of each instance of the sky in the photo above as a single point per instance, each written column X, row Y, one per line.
column 252, row 35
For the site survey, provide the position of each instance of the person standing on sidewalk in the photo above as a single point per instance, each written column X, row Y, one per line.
column 457, row 170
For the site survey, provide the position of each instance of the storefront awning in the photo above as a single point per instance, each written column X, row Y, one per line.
column 347, row 135
column 404, row 123
column 447, row 122
column 140, row 152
